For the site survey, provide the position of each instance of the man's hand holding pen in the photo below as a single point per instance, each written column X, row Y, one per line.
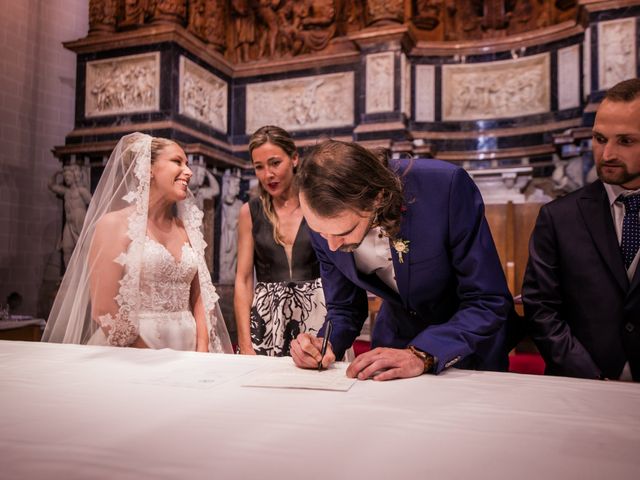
column 306, row 351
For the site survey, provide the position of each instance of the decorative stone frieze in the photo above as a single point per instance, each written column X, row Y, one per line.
column 380, row 85
column 203, row 96
column 118, row 85
column 307, row 103
column 616, row 51
column 509, row 88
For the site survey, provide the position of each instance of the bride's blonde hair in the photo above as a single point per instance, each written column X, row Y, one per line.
column 157, row 145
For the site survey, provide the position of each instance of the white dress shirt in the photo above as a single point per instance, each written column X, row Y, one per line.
column 617, row 212
column 374, row 256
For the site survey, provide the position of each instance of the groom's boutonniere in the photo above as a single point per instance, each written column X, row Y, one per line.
column 402, row 247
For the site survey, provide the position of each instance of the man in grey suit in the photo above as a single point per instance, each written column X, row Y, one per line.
column 581, row 289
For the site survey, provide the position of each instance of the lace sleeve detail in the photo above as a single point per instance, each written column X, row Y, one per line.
column 120, row 331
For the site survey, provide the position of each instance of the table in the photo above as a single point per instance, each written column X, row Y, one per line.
column 27, row 328
column 79, row 412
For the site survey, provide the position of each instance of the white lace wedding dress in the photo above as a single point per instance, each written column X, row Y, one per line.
column 165, row 319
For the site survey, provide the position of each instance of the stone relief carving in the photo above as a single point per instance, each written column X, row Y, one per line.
column 352, row 16
column 169, row 10
column 385, row 11
column 480, row 19
column 203, row 184
column 205, row 188
column 405, row 84
column 245, row 29
column 135, row 13
column 197, row 18
column 425, row 93
column 427, row 13
column 569, row 77
column 123, row 85
column 76, row 199
column 380, row 84
column 616, row 51
column 229, row 227
column 103, row 15
column 215, row 32
column 207, row 22
column 510, row 88
column 249, row 30
column 268, row 21
column 305, row 26
column 281, row 28
column 462, row 20
column 528, row 15
column 203, row 96
column 321, row 101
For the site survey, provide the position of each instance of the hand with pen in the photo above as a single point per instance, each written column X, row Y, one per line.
column 309, row 351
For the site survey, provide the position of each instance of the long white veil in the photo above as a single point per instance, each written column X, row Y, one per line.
column 124, row 190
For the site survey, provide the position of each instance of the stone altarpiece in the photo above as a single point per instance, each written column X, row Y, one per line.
column 506, row 88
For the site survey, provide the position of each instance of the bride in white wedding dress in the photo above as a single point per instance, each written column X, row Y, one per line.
column 138, row 276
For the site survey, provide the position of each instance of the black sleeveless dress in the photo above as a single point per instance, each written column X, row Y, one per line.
column 286, row 301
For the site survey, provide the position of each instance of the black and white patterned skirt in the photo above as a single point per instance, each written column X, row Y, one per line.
column 281, row 311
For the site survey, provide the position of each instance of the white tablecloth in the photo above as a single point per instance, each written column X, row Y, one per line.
column 78, row 412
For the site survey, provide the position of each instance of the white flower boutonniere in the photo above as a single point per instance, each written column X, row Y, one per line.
column 402, row 247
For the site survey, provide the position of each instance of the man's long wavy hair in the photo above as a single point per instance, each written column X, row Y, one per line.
column 280, row 138
column 337, row 176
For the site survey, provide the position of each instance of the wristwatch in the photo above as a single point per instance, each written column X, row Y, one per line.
column 424, row 356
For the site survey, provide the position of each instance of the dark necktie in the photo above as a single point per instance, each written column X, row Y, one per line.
column 630, row 228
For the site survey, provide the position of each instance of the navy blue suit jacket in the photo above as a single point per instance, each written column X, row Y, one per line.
column 453, row 301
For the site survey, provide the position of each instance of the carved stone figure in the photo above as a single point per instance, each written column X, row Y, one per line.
column 215, row 31
column 135, row 12
column 616, row 48
column 197, row 18
column 380, row 82
column 203, row 96
column 245, row 29
column 321, row 101
column 229, row 227
column 174, row 11
column 384, row 11
column 266, row 14
column 102, row 15
column 495, row 90
column 427, row 13
column 76, row 200
column 127, row 84
column 527, row 15
column 351, row 16
column 306, row 26
column 205, row 188
column 494, row 19
column 463, row 19
column 203, row 185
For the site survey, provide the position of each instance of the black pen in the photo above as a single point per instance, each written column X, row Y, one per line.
column 325, row 342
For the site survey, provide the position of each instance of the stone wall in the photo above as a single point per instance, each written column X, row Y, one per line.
column 37, row 92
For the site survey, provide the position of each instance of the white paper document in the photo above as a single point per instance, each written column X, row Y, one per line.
column 290, row 376
column 202, row 378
